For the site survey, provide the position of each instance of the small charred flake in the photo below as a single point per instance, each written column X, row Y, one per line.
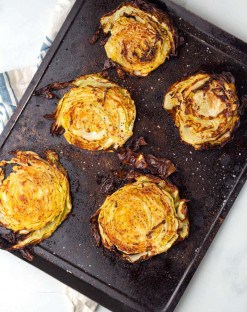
column 95, row 228
column 95, row 36
column 46, row 91
column 161, row 167
column 136, row 144
column 108, row 64
column 57, row 130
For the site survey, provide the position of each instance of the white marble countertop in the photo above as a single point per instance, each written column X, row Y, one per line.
column 220, row 283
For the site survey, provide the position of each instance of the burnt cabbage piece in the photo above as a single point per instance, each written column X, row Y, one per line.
column 95, row 114
column 141, row 37
column 34, row 198
column 204, row 108
column 141, row 219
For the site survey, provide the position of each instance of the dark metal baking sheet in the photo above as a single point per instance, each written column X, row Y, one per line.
column 210, row 179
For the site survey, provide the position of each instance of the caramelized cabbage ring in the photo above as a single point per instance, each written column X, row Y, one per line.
column 34, row 198
column 95, row 114
column 141, row 37
column 204, row 108
column 142, row 219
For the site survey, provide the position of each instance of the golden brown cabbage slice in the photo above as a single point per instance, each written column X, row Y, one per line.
column 141, row 37
column 95, row 114
column 34, row 198
column 142, row 219
column 205, row 108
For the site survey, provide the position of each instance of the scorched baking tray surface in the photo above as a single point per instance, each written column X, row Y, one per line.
column 211, row 179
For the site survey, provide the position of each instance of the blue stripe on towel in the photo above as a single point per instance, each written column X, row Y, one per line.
column 48, row 39
column 8, row 100
column 44, row 47
column 11, row 92
column 4, row 94
column 4, row 109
